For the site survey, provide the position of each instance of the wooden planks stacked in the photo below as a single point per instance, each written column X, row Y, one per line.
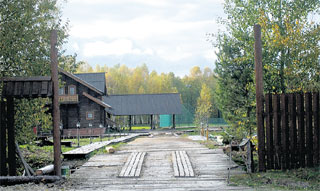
column 87, row 149
column 133, row 166
column 181, row 164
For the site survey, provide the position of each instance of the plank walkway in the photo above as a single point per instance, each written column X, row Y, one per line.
column 132, row 167
column 101, row 172
column 181, row 164
column 83, row 151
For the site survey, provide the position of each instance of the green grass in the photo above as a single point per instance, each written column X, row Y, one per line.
column 298, row 179
column 140, row 127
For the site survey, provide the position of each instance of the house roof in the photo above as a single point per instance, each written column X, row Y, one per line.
column 96, row 100
column 98, row 80
column 143, row 104
column 76, row 78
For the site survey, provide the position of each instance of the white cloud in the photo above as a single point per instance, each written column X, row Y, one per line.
column 158, row 32
column 114, row 48
column 142, row 2
column 139, row 28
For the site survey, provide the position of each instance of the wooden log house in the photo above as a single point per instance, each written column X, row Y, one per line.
column 80, row 98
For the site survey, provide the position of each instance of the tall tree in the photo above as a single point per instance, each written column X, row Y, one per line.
column 25, row 28
column 204, row 106
column 290, row 54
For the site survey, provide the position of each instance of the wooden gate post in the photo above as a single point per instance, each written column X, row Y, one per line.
column 259, row 96
column 55, row 104
column 11, row 139
column 3, row 141
column 173, row 121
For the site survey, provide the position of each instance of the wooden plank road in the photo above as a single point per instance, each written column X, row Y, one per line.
column 181, row 164
column 101, row 172
column 132, row 167
column 84, row 151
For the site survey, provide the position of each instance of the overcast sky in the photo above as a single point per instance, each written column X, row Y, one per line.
column 167, row 35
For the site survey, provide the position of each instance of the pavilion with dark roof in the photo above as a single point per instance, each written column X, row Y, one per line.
column 144, row 104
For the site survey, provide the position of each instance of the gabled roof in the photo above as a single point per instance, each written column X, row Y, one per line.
column 76, row 78
column 98, row 80
column 143, row 104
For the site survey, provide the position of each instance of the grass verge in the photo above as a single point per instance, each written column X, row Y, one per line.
column 297, row 179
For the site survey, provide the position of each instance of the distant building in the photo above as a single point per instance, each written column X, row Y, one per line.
column 80, row 97
column 83, row 98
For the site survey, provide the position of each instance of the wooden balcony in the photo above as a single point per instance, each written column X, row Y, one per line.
column 69, row 99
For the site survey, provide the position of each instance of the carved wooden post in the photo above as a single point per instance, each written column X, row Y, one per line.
column 55, row 104
column 259, row 96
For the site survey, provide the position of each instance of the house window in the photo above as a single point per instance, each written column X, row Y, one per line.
column 72, row 90
column 89, row 115
column 61, row 91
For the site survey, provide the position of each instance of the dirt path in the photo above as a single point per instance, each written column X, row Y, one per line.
column 101, row 171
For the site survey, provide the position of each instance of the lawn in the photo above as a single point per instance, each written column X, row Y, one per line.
column 298, row 179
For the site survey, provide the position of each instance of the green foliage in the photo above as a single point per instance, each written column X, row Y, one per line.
column 25, row 36
column 29, row 114
column 204, row 106
column 25, row 51
column 123, row 80
column 290, row 55
column 298, row 179
column 69, row 63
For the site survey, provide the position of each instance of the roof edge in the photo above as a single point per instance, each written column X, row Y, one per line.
column 80, row 81
column 100, row 102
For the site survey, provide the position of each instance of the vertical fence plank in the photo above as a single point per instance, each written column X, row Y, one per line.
column 316, row 136
column 276, row 130
column 3, row 144
column 269, row 132
column 292, row 130
column 285, row 162
column 301, row 129
column 309, row 131
column 11, row 139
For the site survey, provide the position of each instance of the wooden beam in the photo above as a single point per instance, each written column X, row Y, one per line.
column 151, row 122
column 259, row 96
column 130, row 122
column 55, row 104
column 309, row 129
column 11, row 138
column 27, row 79
column 3, row 140
column 173, row 121
column 316, row 137
column 96, row 100
column 12, row 180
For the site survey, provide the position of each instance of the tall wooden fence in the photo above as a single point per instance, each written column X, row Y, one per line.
column 291, row 129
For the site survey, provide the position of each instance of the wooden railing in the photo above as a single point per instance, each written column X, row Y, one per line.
column 68, row 99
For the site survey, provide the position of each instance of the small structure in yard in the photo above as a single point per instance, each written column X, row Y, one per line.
column 144, row 104
column 27, row 87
